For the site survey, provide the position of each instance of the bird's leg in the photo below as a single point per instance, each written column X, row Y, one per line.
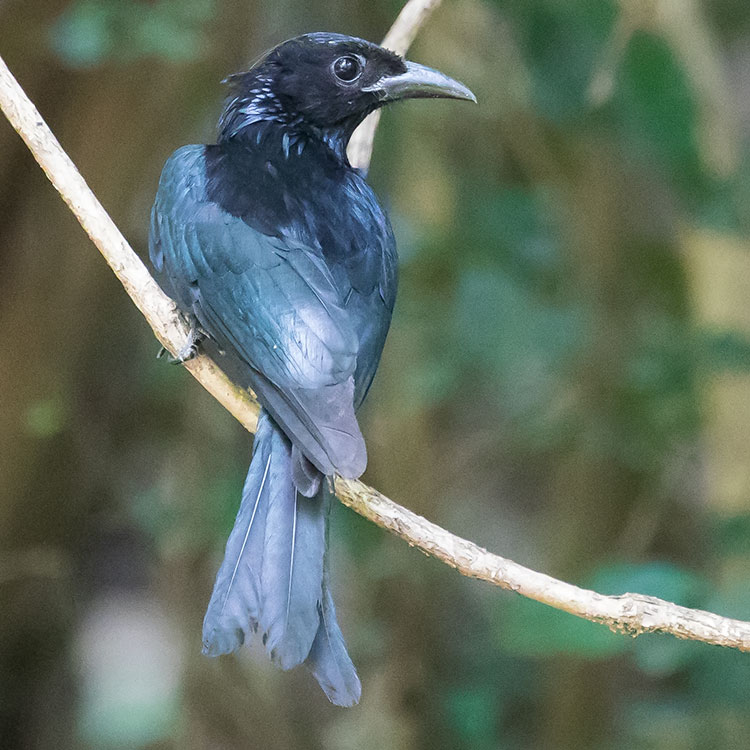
column 195, row 336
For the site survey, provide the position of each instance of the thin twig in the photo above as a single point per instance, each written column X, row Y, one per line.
column 629, row 613
column 398, row 39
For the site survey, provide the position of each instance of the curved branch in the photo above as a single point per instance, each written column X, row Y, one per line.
column 629, row 613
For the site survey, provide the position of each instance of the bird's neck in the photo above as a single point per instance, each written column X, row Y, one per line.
column 258, row 117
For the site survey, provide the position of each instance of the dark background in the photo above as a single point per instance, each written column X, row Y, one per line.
column 567, row 382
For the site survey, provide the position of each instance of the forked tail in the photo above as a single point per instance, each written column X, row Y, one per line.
column 274, row 578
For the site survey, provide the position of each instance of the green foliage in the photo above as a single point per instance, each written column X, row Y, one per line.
column 47, row 417
column 657, row 109
column 532, row 629
column 733, row 537
column 91, row 32
column 561, row 42
column 472, row 714
column 725, row 351
column 526, row 354
column 527, row 628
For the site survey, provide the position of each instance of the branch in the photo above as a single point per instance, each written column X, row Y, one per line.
column 398, row 39
column 630, row 613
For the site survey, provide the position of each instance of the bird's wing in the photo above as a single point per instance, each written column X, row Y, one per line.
column 272, row 300
column 269, row 301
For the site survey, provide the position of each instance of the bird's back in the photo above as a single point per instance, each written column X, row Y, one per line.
column 298, row 191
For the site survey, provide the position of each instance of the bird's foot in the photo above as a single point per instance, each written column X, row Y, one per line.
column 189, row 349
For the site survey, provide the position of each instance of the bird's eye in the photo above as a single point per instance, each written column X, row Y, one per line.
column 347, row 68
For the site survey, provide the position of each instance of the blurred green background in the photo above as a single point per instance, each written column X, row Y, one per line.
column 567, row 382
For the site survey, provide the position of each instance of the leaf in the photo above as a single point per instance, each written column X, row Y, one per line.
column 533, row 629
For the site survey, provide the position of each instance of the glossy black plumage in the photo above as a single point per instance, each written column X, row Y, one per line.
column 282, row 255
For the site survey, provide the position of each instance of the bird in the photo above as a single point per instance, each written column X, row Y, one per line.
column 280, row 256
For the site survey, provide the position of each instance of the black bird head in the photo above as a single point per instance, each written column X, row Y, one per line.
column 326, row 84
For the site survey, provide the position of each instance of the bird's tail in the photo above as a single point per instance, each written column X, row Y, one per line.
column 274, row 578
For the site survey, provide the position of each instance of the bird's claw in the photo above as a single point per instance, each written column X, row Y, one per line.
column 188, row 351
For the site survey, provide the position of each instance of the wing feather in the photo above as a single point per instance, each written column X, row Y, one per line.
column 272, row 302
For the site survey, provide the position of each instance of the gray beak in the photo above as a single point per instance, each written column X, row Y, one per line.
column 419, row 82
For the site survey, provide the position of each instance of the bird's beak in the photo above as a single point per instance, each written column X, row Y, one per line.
column 419, row 82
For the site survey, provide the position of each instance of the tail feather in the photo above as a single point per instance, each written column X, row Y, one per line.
column 329, row 661
column 234, row 609
column 292, row 573
column 274, row 578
